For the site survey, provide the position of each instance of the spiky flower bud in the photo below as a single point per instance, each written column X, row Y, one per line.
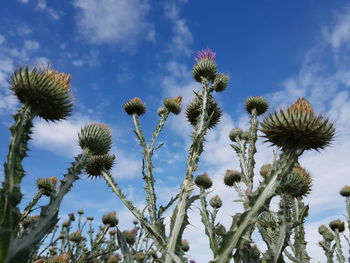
column 328, row 235
column 29, row 220
column 96, row 137
column 153, row 253
column 215, row 202
column 110, row 219
column 89, row 218
column 96, row 164
column 114, row 258
column 71, row 217
column 193, row 111
column 232, row 177
column 113, row 232
column 203, row 181
column 322, row 229
column 161, row 111
column 135, row 106
column 173, row 104
column 206, row 66
column 268, row 219
column 220, row 230
column 337, row 224
column 298, row 128
column 235, row 133
column 258, row 103
column 76, row 237
column 63, row 258
column 130, row 237
column 221, row 82
column 65, row 224
column 140, row 257
column 185, row 245
column 80, row 212
column 296, row 184
column 265, row 170
column 47, row 185
column 46, row 92
column 345, row 191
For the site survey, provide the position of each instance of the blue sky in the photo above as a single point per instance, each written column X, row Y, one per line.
column 118, row 49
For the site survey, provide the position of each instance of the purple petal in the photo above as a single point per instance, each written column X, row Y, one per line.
column 205, row 53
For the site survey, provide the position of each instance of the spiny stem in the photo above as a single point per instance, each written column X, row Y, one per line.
column 29, row 207
column 187, row 184
column 252, row 148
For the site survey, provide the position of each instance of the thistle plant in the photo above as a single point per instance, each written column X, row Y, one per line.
column 294, row 130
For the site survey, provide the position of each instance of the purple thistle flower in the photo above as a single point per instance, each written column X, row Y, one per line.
column 192, row 261
column 205, row 53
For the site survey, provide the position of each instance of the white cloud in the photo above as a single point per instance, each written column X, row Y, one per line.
column 339, row 35
column 2, row 39
column 23, row 1
column 182, row 37
column 42, row 6
column 31, row 45
column 77, row 63
column 24, row 30
column 114, row 22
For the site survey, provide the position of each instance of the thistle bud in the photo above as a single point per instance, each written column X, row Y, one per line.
column 140, row 257
column 113, row 232
column 322, row 229
column 114, row 258
column 173, row 105
column 110, row 219
column 258, row 103
column 76, row 237
column 65, row 224
column 46, row 92
column 96, row 137
column 328, row 235
column 185, row 246
column 47, row 185
column 345, row 191
column 206, row 66
column 96, row 164
column 135, row 106
column 153, row 253
column 337, row 225
column 161, row 111
column 29, row 220
column 232, row 177
column 80, row 212
column 63, row 258
column 130, row 237
column 235, row 133
column 220, row 82
column 219, row 230
column 215, row 202
column 203, row 181
column 71, row 217
column 265, row 170
column 89, row 218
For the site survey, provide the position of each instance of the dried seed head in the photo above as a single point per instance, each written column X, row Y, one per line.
column 203, row 181
column 140, row 257
column 80, row 211
column 110, row 219
column 114, row 258
column 46, row 92
column 258, row 103
column 153, row 253
column 96, row 137
column 90, row 218
column 185, row 245
column 215, row 202
column 232, row 177
column 29, row 220
column 63, row 258
column 302, row 106
column 135, row 106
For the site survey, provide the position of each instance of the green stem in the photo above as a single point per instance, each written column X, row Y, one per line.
column 207, row 224
column 187, row 184
column 29, row 207
column 339, row 252
column 252, row 148
column 10, row 194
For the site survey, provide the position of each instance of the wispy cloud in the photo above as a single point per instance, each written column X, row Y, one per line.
column 121, row 22
column 43, row 7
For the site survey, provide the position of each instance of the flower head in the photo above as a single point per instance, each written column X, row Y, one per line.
column 205, row 53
